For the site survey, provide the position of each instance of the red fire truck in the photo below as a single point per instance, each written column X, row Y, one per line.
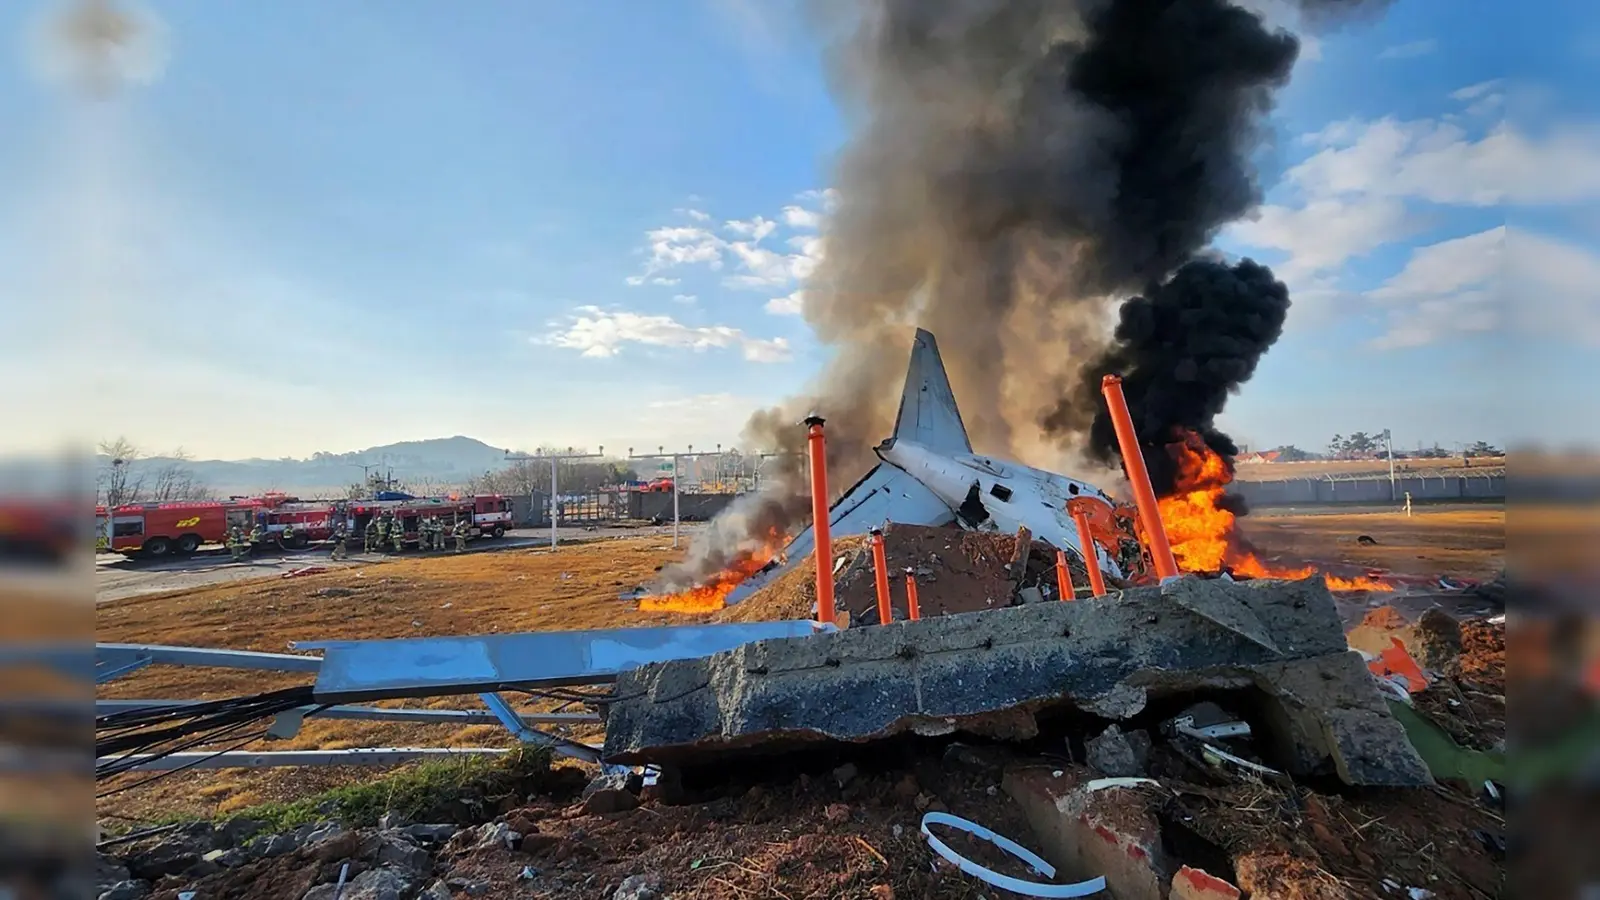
column 490, row 514
column 167, row 529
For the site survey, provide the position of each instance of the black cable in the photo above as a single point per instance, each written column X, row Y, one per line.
column 124, row 762
column 183, row 768
column 155, row 732
column 143, row 726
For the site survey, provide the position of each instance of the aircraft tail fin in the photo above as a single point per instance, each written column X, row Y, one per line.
column 928, row 413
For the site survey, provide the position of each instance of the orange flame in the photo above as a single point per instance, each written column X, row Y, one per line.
column 1205, row 536
column 713, row 594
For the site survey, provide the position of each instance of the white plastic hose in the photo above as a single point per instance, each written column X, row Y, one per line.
column 1005, row 882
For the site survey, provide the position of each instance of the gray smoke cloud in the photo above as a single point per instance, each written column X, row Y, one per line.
column 1016, row 167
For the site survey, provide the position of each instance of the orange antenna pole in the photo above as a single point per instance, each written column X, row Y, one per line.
column 819, row 518
column 1064, row 577
column 1091, row 561
column 880, row 571
column 1144, row 495
column 913, row 608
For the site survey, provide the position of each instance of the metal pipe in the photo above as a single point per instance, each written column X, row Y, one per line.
column 1144, row 494
column 1064, row 577
column 675, row 501
column 819, row 518
column 880, row 574
column 913, row 607
column 1091, row 560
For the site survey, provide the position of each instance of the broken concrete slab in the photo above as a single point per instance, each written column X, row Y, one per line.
column 1083, row 833
column 990, row 673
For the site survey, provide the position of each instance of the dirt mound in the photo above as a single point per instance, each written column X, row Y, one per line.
column 956, row 571
column 1483, row 654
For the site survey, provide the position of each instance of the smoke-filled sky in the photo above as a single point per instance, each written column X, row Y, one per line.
column 611, row 216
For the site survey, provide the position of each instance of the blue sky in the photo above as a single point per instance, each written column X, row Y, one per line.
column 328, row 226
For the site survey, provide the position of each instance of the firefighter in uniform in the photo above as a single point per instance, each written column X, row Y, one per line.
column 371, row 535
column 257, row 535
column 462, row 527
column 438, row 532
column 236, row 543
column 397, row 532
column 339, row 538
column 385, row 522
column 287, row 539
column 425, row 534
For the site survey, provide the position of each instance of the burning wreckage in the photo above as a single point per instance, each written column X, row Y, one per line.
column 1275, row 646
column 1252, row 676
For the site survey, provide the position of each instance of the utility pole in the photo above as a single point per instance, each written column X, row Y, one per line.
column 761, row 459
column 661, row 453
column 555, row 459
column 1388, row 443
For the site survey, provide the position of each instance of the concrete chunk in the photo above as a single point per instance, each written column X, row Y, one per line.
column 990, row 673
column 1112, row 832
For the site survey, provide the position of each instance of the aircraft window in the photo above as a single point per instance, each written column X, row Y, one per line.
column 1072, row 489
column 1001, row 491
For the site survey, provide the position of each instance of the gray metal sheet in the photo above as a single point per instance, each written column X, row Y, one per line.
column 435, row 666
column 112, row 659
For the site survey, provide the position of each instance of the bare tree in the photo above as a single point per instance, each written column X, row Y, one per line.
column 127, row 476
column 176, row 480
column 118, row 482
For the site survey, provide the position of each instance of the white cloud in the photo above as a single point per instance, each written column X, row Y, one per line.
column 1410, row 50
column 1439, row 162
column 829, row 198
column 600, row 333
column 754, row 265
column 684, row 298
column 1324, row 233
column 678, row 246
column 800, row 217
column 695, row 214
column 1452, row 287
column 1482, row 99
column 1448, row 266
column 755, row 228
column 1474, row 91
column 1553, row 288
column 792, row 305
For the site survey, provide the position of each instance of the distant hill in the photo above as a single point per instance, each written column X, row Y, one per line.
column 439, row 461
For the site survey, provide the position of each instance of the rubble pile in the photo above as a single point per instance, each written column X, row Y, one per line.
column 956, row 571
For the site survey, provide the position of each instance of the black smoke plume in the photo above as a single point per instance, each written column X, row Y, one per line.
column 1182, row 347
column 1015, row 167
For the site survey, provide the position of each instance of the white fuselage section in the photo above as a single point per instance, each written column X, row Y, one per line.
column 1012, row 495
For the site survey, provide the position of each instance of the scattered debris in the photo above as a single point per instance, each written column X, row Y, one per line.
column 1197, row 884
column 1117, row 753
column 1004, row 882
